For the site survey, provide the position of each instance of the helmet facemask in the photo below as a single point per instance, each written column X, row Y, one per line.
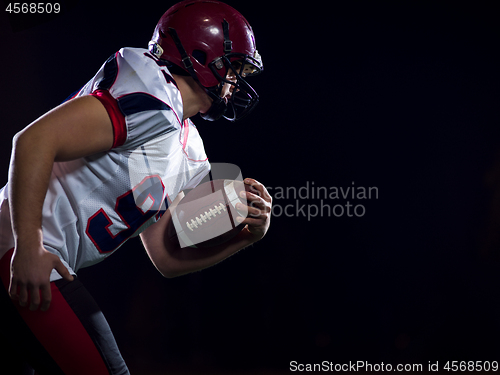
column 243, row 98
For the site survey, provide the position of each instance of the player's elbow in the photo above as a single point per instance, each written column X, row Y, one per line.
column 16, row 138
column 176, row 266
column 30, row 141
column 167, row 266
column 22, row 140
column 171, row 275
column 170, row 272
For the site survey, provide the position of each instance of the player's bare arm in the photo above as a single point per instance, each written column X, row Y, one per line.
column 75, row 129
column 172, row 261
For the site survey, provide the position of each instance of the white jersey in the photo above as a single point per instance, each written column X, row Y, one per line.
column 94, row 204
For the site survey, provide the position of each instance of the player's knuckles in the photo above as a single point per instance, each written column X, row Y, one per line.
column 254, row 211
column 265, row 195
column 252, row 195
column 255, row 184
column 251, row 211
column 264, row 207
column 34, row 284
column 18, row 277
column 268, row 206
column 251, row 181
column 257, row 206
column 269, row 198
column 264, row 190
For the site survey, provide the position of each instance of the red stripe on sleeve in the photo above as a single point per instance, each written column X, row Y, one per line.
column 116, row 116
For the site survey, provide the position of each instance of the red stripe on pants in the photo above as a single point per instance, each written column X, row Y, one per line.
column 60, row 331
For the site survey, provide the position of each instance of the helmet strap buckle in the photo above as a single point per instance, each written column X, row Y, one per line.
column 186, row 60
column 228, row 44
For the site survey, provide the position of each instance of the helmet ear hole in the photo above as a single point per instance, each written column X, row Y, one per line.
column 200, row 56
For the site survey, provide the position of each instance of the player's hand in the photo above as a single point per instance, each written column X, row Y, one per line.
column 30, row 277
column 259, row 209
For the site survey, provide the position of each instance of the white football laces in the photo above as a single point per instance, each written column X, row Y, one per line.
column 199, row 220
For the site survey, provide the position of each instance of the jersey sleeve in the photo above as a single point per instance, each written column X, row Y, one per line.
column 140, row 96
column 115, row 115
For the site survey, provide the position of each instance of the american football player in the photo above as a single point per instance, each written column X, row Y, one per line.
column 104, row 167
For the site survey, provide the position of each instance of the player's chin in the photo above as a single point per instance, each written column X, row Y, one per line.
column 205, row 110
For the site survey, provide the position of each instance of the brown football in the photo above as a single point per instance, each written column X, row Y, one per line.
column 206, row 216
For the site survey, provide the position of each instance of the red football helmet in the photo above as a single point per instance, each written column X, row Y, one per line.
column 211, row 40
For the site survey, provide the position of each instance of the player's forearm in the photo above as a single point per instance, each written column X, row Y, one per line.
column 181, row 261
column 171, row 260
column 31, row 165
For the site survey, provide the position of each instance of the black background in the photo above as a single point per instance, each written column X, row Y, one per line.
column 402, row 96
